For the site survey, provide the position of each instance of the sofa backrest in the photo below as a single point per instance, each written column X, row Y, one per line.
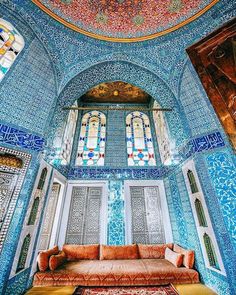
column 80, row 252
column 118, row 252
column 155, row 251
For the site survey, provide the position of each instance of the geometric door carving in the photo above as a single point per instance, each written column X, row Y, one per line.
column 49, row 217
column 146, row 216
column 7, row 186
column 84, row 216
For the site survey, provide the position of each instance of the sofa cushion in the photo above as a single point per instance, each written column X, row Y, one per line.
column 79, row 252
column 118, row 252
column 43, row 258
column 153, row 251
column 57, row 260
column 173, row 257
column 188, row 259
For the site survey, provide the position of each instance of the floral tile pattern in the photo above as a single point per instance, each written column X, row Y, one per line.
column 122, row 18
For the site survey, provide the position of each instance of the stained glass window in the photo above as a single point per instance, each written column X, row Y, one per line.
column 23, row 253
column 11, row 43
column 162, row 135
column 200, row 213
column 68, row 136
column 192, row 182
column 34, row 211
column 210, row 251
column 139, row 140
column 42, row 179
column 91, row 148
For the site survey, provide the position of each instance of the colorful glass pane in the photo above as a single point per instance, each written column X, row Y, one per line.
column 91, row 147
column 42, row 178
column 11, row 43
column 192, row 182
column 68, row 136
column 23, row 253
column 34, row 211
column 162, row 135
column 139, row 140
column 210, row 252
column 200, row 213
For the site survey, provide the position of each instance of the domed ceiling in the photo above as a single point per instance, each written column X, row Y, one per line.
column 124, row 20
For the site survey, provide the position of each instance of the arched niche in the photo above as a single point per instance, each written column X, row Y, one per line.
column 127, row 72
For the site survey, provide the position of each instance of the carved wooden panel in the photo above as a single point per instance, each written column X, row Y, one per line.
column 84, row 216
column 147, row 225
column 214, row 59
column 49, row 217
column 7, row 184
column 154, row 215
column 92, row 217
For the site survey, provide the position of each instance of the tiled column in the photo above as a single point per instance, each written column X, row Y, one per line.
column 116, row 224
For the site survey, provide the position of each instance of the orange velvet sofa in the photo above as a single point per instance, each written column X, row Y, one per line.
column 100, row 265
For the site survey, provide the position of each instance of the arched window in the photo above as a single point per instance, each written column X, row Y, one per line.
column 23, row 253
column 162, row 135
column 210, row 251
column 34, row 211
column 139, row 140
column 68, row 136
column 11, row 43
column 42, row 179
column 200, row 213
column 192, row 182
column 91, row 149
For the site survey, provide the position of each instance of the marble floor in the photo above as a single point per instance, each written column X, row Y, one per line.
column 190, row 289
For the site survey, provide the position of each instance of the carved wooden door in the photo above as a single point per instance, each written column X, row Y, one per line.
column 84, row 216
column 49, row 217
column 7, row 185
column 147, row 226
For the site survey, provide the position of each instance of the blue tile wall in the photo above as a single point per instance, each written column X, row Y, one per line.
column 185, row 232
column 20, row 138
column 46, row 70
column 223, row 174
column 195, row 102
column 28, row 90
column 116, row 223
column 216, row 208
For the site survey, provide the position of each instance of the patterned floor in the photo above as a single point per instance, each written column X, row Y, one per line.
column 193, row 289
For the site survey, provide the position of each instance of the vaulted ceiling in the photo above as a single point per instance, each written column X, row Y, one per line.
column 125, row 20
column 116, row 92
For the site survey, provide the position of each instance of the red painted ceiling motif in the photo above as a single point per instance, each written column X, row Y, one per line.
column 124, row 18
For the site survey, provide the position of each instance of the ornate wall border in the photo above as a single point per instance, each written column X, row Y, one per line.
column 21, row 172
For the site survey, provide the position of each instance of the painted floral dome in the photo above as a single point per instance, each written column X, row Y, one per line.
column 124, row 20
